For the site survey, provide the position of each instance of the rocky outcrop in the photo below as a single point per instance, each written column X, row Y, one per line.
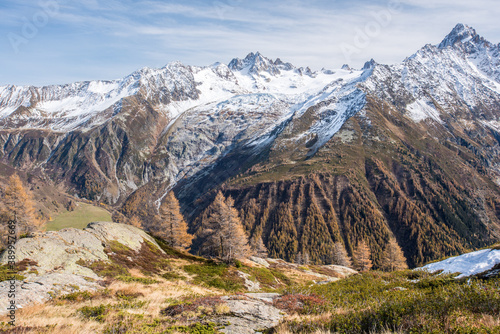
column 250, row 313
column 62, row 251
column 249, row 284
column 321, row 274
column 55, row 260
column 38, row 289
column 341, row 270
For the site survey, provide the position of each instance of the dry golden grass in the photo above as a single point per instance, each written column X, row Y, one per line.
column 222, row 309
column 49, row 318
column 489, row 321
column 300, row 276
column 62, row 316
column 323, row 317
column 284, row 329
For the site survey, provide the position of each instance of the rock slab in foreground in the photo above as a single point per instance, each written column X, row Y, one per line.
column 39, row 289
column 56, row 257
column 250, row 313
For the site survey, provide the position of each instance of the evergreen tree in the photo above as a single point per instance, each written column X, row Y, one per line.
column 331, row 222
column 249, row 213
column 362, row 256
column 393, row 257
column 339, row 255
column 171, row 225
column 17, row 205
column 222, row 235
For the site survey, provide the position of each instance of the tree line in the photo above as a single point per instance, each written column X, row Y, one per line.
column 218, row 232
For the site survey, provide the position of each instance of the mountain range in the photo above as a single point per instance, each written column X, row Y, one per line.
column 409, row 150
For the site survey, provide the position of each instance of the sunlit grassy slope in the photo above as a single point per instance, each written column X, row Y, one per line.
column 79, row 218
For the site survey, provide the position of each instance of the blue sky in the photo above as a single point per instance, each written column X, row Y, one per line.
column 62, row 41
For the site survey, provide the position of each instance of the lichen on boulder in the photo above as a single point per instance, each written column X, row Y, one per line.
column 58, row 259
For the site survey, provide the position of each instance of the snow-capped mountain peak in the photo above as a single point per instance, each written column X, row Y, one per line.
column 255, row 63
column 482, row 55
column 464, row 68
column 461, row 34
column 368, row 65
column 469, row 63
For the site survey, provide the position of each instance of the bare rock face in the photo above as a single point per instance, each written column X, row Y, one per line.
column 260, row 261
column 251, row 313
column 127, row 235
column 249, row 284
column 55, row 260
column 341, row 270
column 331, row 272
column 38, row 289
column 60, row 251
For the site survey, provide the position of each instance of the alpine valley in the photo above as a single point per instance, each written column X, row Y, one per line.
column 410, row 150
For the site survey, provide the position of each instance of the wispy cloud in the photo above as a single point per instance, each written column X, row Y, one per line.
column 106, row 39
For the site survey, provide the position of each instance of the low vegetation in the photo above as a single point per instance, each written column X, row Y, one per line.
column 400, row 302
column 6, row 274
column 183, row 295
column 216, row 275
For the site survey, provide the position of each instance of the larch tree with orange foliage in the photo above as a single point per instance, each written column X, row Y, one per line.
column 172, row 227
column 135, row 221
column 361, row 257
column 393, row 257
column 17, row 205
column 222, row 235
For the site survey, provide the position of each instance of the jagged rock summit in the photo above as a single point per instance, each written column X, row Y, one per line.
column 254, row 63
column 462, row 34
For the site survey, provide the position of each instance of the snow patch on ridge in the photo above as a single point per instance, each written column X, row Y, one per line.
column 333, row 116
column 467, row 264
column 421, row 110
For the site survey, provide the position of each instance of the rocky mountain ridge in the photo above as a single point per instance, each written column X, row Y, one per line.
column 387, row 138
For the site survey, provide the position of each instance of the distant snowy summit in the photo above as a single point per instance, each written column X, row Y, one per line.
column 256, row 63
column 171, row 89
column 464, row 66
column 462, row 34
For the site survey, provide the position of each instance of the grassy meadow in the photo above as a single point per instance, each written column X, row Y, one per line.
column 79, row 217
